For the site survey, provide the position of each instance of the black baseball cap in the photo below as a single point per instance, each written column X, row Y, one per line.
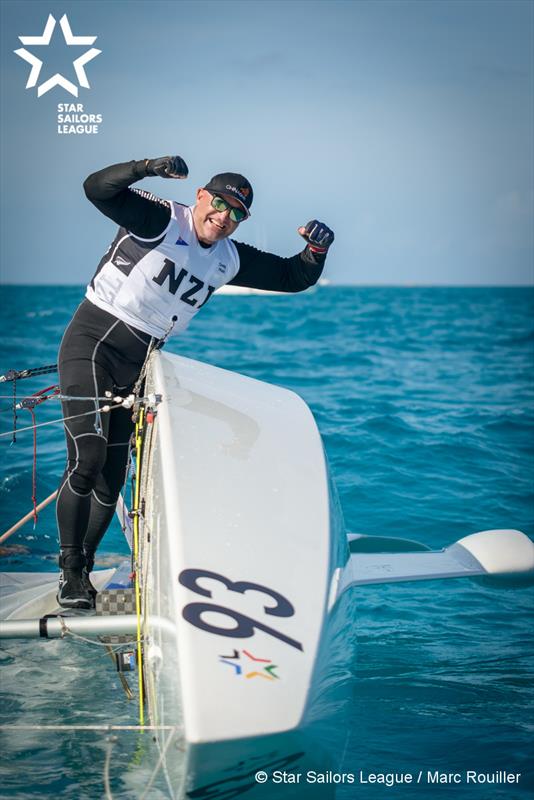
column 235, row 185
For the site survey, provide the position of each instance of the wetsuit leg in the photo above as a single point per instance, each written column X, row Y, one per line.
column 86, row 434
column 98, row 353
column 109, row 483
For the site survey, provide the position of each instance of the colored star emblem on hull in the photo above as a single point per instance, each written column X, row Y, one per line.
column 248, row 666
column 57, row 79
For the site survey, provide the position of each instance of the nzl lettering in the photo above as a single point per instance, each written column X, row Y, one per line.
column 175, row 281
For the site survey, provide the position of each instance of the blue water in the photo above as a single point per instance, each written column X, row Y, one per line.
column 424, row 399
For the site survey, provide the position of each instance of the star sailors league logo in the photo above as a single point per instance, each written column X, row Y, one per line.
column 57, row 79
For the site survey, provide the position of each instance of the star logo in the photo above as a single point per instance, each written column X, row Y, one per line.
column 57, row 79
column 250, row 670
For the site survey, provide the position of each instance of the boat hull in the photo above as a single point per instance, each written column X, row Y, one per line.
column 242, row 542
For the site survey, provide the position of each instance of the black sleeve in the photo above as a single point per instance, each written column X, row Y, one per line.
column 261, row 270
column 140, row 212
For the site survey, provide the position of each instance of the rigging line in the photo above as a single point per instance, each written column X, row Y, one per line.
column 14, row 375
column 122, row 678
column 159, row 764
column 56, row 395
column 14, row 432
column 26, row 400
column 29, row 404
column 61, row 419
column 34, row 469
column 67, row 632
column 179, row 746
column 141, row 378
column 94, row 727
column 39, row 397
column 107, row 786
column 139, row 440
column 147, row 451
column 31, row 400
column 23, row 396
column 154, row 344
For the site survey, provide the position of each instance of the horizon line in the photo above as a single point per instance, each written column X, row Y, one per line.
column 331, row 285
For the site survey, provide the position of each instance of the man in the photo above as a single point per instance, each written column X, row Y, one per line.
column 164, row 264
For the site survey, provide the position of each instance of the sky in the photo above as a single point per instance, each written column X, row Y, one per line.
column 407, row 127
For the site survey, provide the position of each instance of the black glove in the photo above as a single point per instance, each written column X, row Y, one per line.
column 167, row 167
column 318, row 235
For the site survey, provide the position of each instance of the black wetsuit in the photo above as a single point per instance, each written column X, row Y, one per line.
column 100, row 352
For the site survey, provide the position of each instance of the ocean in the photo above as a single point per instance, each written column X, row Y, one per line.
column 424, row 399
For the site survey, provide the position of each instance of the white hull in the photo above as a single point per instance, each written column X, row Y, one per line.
column 238, row 515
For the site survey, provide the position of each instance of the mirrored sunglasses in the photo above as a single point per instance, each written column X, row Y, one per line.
column 236, row 214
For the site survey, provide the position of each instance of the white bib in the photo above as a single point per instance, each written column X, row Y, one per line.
column 158, row 284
